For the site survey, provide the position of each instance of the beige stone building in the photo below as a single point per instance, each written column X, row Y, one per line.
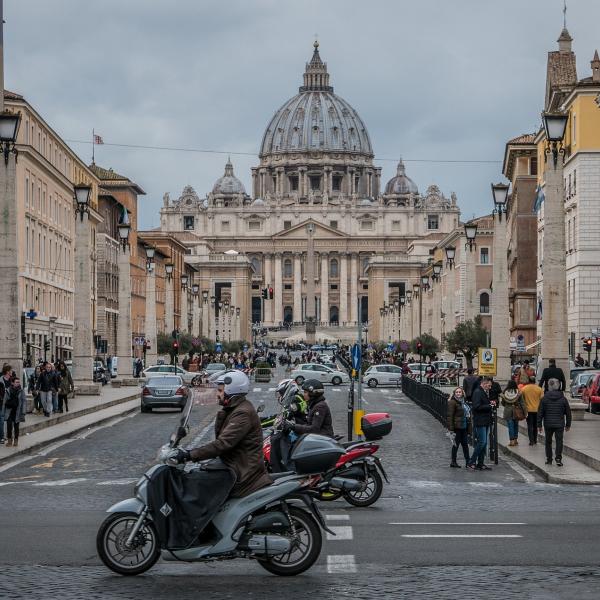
column 316, row 167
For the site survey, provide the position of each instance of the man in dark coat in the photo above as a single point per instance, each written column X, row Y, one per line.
column 552, row 372
column 238, row 437
column 470, row 383
column 554, row 409
column 482, row 408
column 319, row 418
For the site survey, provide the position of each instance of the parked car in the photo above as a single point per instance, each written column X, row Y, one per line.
column 382, row 375
column 320, row 372
column 164, row 391
column 591, row 394
column 445, row 364
column 417, row 368
column 213, row 368
column 580, row 382
column 187, row 376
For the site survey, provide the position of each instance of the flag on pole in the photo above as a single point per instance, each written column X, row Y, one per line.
column 98, row 140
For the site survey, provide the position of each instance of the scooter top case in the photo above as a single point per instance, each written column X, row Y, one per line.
column 376, row 425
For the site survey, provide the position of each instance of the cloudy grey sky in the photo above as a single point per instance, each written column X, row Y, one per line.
column 432, row 79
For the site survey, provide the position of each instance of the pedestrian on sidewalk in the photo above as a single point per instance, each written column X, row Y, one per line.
column 32, row 389
column 4, row 388
column 532, row 396
column 482, row 408
column 65, row 387
column 47, row 385
column 552, row 372
column 459, row 416
column 514, row 410
column 554, row 410
column 470, row 383
column 15, row 411
column 523, row 374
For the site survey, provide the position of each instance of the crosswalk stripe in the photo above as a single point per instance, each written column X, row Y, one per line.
column 272, row 389
column 336, row 389
column 341, row 563
column 257, row 390
column 460, row 535
column 485, row 484
column 59, row 482
column 455, row 523
column 424, row 484
column 340, row 533
column 337, row 517
column 117, row 482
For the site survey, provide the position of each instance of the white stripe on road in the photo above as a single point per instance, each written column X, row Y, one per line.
column 257, row 390
column 368, row 390
column 272, row 389
column 458, row 535
column 385, row 391
column 425, row 484
column 398, row 402
column 60, row 482
column 341, row 563
column 117, row 482
column 337, row 517
column 336, row 389
column 444, row 524
column 343, row 532
column 485, row 484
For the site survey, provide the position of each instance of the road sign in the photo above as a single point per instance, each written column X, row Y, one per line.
column 245, row 348
column 390, row 347
column 356, row 357
column 487, row 361
column 31, row 314
column 218, row 348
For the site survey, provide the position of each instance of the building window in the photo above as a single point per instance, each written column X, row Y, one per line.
column 336, row 183
column 574, row 182
column 484, row 256
column 365, row 286
column 574, row 130
column 256, row 286
column 254, row 225
column 225, row 225
column 333, row 286
column 315, row 183
column 188, row 223
column 484, row 303
column 366, row 225
column 287, row 286
column 334, row 268
column 287, row 224
column 333, row 224
column 294, row 183
column 287, row 267
column 432, row 222
column 395, row 225
column 533, row 166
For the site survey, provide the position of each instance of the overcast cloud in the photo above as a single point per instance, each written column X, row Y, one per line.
column 432, row 79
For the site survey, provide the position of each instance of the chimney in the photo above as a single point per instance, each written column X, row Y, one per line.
column 596, row 68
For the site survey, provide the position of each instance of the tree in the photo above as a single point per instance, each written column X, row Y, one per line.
column 431, row 345
column 466, row 338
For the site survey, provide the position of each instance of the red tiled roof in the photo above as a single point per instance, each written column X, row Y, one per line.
column 526, row 138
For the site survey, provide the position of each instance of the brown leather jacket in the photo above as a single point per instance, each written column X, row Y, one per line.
column 239, row 444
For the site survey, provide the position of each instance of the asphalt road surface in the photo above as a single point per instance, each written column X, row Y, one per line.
column 436, row 532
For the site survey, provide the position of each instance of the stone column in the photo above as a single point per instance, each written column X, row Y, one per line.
column 184, row 325
column 169, row 305
column 196, row 315
column 297, row 287
column 343, row 289
column 278, row 302
column 150, row 326
column 10, row 306
column 124, row 354
column 325, row 287
column 83, row 356
column 500, row 316
column 354, row 288
column 211, row 321
column 205, row 317
column 268, row 283
column 470, row 276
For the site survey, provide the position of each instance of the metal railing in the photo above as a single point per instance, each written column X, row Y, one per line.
column 429, row 398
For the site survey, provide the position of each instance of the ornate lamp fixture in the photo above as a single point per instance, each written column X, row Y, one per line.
column 450, row 255
column 82, row 199
column 9, row 128
column 471, row 234
column 500, row 195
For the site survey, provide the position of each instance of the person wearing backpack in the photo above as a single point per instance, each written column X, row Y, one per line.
column 4, row 387
column 15, row 405
column 459, row 416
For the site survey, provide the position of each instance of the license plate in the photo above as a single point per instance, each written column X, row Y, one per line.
column 162, row 392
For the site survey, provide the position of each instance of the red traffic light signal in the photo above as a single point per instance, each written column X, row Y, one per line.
column 587, row 344
column 419, row 347
column 175, row 345
column 271, row 294
column 598, row 343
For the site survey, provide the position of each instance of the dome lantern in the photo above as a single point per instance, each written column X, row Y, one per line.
column 401, row 183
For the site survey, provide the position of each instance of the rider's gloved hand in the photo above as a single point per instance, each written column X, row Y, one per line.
column 288, row 425
column 177, row 456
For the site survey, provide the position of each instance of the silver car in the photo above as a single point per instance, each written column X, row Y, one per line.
column 319, row 372
column 382, row 375
column 187, row 376
column 164, row 391
column 580, row 381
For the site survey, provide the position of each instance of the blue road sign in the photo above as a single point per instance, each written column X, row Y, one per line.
column 356, row 356
column 390, row 347
column 218, row 348
column 31, row 314
column 245, row 348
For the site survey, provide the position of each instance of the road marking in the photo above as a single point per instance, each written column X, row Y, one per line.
column 272, row 389
column 336, row 389
column 385, row 391
column 485, row 484
column 257, row 390
column 11, row 482
column 337, row 517
column 365, row 401
column 117, row 482
column 59, row 482
column 343, row 532
column 398, row 402
column 368, row 390
column 425, row 484
column 458, row 535
column 444, row 524
column 341, row 563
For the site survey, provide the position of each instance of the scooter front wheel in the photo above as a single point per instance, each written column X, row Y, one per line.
column 306, row 546
column 113, row 551
column 369, row 494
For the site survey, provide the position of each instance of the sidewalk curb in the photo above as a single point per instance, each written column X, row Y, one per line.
column 37, row 446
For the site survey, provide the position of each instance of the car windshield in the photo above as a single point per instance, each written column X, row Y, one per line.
column 215, row 367
column 164, row 381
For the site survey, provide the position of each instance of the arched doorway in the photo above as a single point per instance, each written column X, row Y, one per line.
column 288, row 315
column 334, row 315
column 364, row 309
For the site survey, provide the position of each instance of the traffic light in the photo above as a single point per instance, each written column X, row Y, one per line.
column 47, row 345
column 174, row 334
column 419, row 347
column 175, row 347
column 587, row 344
column 265, row 293
column 598, row 343
column 270, row 293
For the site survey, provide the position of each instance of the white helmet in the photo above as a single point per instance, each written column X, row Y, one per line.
column 234, row 382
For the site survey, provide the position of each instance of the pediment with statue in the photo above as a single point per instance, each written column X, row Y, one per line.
column 299, row 232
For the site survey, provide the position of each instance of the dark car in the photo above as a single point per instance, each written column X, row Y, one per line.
column 164, row 391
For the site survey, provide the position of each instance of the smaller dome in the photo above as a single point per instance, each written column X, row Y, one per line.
column 365, row 202
column 401, row 184
column 258, row 202
column 229, row 184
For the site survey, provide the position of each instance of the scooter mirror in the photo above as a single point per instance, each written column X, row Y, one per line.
column 260, row 408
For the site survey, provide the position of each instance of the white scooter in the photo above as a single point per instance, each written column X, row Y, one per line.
column 279, row 525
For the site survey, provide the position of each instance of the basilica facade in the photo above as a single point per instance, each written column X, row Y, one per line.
column 316, row 169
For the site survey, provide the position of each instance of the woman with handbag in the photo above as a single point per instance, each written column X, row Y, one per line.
column 459, row 416
column 514, row 410
column 32, row 389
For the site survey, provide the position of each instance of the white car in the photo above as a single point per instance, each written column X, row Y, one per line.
column 187, row 376
column 382, row 375
column 319, row 372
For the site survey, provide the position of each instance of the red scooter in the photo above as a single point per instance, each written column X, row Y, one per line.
column 358, row 463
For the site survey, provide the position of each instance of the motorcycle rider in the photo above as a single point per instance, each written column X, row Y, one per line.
column 319, row 416
column 298, row 406
column 238, row 437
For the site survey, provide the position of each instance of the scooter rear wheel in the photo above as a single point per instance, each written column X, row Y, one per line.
column 369, row 494
column 110, row 544
column 305, row 551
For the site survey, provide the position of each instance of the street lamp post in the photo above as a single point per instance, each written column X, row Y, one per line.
column 500, row 314
column 184, row 324
column 204, row 318
column 470, row 274
column 151, row 355
column 124, row 342
column 196, row 309
column 554, row 284
column 169, row 297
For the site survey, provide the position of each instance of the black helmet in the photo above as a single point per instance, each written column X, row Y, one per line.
column 314, row 388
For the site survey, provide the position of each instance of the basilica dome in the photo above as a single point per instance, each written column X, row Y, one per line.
column 229, row 184
column 316, row 119
column 401, row 184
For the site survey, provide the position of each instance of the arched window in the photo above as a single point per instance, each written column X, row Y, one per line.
column 484, row 303
column 334, row 268
column 288, row 315
column 334, row 317
column 287, row 267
